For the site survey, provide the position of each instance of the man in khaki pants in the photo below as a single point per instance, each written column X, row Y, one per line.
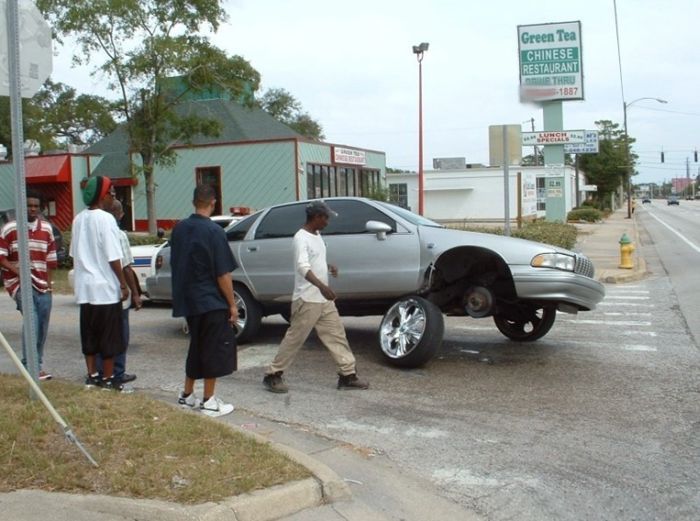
column 313, row 306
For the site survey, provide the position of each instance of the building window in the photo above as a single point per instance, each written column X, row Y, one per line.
column 398, row 194
column 211, row 175
column 541, row 195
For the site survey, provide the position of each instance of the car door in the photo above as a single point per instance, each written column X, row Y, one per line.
column 370, row 266
column 267, row 258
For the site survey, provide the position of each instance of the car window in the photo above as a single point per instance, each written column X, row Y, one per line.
column 237, row 231
column 353, row 216
column 410, row 216
column 284, row 221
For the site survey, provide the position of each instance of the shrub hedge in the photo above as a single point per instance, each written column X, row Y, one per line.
column 587, row 214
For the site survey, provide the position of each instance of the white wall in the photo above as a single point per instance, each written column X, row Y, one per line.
column 475, row 193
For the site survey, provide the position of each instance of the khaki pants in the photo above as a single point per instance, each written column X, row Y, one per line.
column 325, row 318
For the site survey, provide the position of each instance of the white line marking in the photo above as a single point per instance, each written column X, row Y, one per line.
column 625, row 304
column 610, row 314
column 640, row 333
column 682, row 237
column 639, row 347
column 610, row 322
column 626, row 297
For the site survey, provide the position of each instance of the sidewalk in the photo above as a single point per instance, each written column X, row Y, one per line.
column 349, row 484
column 601, row 243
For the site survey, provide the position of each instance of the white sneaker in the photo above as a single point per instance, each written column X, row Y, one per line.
column 191, row 402
column 214, row 407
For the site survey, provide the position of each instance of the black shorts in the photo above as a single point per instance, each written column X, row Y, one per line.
column 212, row 351
column 101, row 329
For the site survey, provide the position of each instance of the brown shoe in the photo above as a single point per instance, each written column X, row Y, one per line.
column 275, row 384
column 351, row 381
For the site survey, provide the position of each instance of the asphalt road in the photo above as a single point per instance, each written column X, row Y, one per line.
column 597, row 420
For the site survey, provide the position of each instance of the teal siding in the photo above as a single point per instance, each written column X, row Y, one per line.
column 254, row 175
column 7, row 185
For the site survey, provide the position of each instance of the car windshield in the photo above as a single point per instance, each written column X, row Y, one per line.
column 410, row 216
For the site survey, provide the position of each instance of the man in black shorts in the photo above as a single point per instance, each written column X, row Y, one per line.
column 99, row 283
column 203, row 293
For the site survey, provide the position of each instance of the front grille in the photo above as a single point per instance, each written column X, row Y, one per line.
column 584, row 266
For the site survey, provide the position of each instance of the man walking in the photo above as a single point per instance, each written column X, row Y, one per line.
column 42, row 259
column 99, row 283
column 202, row 263
column 313, row 306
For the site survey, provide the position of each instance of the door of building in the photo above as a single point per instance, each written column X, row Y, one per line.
column 211, row 175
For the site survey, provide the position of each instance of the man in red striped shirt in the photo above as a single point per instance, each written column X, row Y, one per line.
column 42, row 259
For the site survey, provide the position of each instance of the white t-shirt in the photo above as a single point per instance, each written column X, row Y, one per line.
column 127, row 260
column 94, row 244
column 309, row 254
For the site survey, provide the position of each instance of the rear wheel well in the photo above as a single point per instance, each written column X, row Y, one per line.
column 458, row 269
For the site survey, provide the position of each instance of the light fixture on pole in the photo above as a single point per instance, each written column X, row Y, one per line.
column 625, row 106
column 418, row 50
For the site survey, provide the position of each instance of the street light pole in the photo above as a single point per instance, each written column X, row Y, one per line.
column 418, row 50
column 625, row 105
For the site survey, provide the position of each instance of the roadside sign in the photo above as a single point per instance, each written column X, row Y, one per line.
column 35, row 55
column 553, row 137
column 551, row 62
column 589, row 146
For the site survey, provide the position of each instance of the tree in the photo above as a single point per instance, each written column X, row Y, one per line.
column 284, row 107
column 142, row 42
column 55, row 116
column 609, row 167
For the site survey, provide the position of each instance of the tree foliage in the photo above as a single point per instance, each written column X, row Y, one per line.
column 612, row 164
column 57, row 116
column 284, row 107
column 134, row 44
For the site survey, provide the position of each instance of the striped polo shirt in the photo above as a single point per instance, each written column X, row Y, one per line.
column 42, row 254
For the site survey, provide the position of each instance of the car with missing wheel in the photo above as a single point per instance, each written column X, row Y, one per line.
column 407, row 269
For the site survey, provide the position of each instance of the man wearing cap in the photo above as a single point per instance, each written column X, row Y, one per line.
column 99, row 282
column 313, row 306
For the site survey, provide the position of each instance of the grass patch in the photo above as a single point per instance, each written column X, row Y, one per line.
column 556, row 234
column 145, row 448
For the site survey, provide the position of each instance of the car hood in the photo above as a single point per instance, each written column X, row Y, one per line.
column 511, row 249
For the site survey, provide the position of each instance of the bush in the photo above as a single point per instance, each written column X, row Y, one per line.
column 556, row 234
column 590, row 215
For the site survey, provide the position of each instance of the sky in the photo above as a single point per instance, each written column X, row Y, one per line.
column 351, row 66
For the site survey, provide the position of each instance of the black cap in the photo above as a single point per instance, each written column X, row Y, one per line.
column 319, row 207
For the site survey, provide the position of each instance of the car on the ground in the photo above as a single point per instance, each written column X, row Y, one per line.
column 8, row 215
column 407, row 269
column 673, row 200
column 646, row 200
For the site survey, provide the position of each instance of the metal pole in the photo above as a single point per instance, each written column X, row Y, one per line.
column 29, row 326
column 629, row 163
column 420, row 133
column 506, row 187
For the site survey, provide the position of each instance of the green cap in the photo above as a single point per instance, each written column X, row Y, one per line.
column 624, row 239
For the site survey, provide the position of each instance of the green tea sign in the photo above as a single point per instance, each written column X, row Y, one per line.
column 551, row 65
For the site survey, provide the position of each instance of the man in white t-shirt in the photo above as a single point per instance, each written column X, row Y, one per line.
column 313, row 306
column 133, row 302
column 99, row 283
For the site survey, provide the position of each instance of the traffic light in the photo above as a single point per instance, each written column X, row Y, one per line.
column 696, row 156
column 662, row 157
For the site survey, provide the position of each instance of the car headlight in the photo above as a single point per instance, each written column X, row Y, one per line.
column 557, row 261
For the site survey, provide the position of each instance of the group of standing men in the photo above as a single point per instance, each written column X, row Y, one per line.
column 106, row 287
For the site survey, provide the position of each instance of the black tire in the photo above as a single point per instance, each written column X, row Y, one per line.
column 530, row 323
column 411, row 332
column 249, row 314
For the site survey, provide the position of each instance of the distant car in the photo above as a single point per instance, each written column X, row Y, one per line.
column 673, row 200
column 406, row 268
column 9, row 215
column 646, row 200
column 225, row 220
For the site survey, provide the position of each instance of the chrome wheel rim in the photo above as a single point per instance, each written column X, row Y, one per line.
column 402, row 328
column 242, row 312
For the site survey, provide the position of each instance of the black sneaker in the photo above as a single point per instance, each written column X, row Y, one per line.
column 351, row 381
column 274, row 383
column 116, row 385
column 127, row 377
column 93, row 380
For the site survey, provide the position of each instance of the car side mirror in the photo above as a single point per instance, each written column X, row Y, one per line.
column 378, row 227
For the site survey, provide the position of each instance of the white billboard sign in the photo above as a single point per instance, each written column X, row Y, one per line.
column 551, row 62
column 35, row 54
column 553, row 137
column 589, row 146
column 349, row 156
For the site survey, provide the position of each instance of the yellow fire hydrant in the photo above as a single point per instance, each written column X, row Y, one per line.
column 626, row 249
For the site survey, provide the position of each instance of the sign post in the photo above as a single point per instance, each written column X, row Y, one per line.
column 28, row 59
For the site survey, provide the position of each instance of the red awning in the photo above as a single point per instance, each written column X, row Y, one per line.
column 47, row 169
